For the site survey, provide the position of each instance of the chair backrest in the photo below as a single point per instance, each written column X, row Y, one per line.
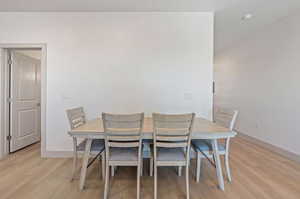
column 172, row 131
column 225, row 117
column 76, row 117
column 123, row 130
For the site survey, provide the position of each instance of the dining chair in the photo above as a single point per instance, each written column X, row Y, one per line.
column 203, row 147
column 77, row 118
column 172, row 141
column 123, row 143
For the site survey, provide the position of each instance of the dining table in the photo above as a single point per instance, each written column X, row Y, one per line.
column 202, row 129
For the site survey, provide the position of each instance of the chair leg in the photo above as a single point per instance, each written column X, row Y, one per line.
column 138, row 180
column 112, row 171
column 103, row 164
column 218, row 164
column 187, row 182
column 141, row 169
column 198, row 167
column 155, row 181
column 100, row 169
column 227, row 166
column 75, row 158
column 151, row 166
column 179, row 170
column 106, row 188
column 85, row 162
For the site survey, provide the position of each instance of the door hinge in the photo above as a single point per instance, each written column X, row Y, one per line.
column 9, row 100
column 9, row 61
column 8, row 137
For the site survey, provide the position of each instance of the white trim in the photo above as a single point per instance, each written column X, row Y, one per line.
column 3, row 103
column 2, row 98
column 270, row 147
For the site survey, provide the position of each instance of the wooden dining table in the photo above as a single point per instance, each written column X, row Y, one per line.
column 203, row 129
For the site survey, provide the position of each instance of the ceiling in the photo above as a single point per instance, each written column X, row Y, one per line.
column 229, row 28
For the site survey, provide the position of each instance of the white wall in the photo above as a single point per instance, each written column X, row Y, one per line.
column 260, row 76
column 118, row 62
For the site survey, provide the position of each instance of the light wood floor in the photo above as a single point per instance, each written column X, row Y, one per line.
column 257, row 173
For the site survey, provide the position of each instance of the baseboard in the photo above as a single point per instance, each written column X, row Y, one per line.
column 268, row 146
column 57, row 154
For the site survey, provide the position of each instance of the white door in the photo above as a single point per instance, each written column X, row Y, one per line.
column 25, row 101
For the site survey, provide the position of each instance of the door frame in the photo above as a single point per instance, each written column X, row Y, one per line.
column 4, row 92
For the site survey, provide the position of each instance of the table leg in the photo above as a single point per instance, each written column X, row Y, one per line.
column 85, row 161
column 218, row 164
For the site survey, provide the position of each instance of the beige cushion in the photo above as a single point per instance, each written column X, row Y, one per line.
column 123, row 154
column 170, row 154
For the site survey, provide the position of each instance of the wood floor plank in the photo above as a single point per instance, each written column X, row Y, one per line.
column 257, row 173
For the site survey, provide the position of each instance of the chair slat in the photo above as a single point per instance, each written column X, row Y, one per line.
column 123, row 131
column 173, row 124
column 172, row 138
column 76, row 117
column 123, row 138
column 172, row 131
column 123, row 144
column 225, row 117
column 122, row 124
column 123, row 118
column 172, row 118
column 77, row 124
column 171, row 144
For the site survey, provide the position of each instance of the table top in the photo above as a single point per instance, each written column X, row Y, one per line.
column 203, row 129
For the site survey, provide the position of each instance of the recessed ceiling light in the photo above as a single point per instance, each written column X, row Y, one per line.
column 247, row 16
